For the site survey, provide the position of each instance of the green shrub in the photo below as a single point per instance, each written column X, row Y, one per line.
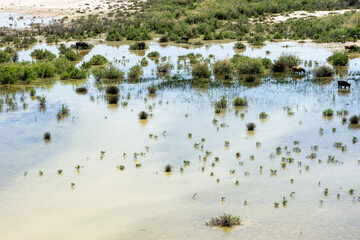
column 135, row 73
column 239, row 101
column 144, row 62
column 98, row 60
column 222, row 103
column 164, row 67
column 153, row 54
column 4, row 57
column 111, row 72
column 223, row 68
column 266, row 62
column 114, row 35
column 72, row 56
column 42, row 54
column 248, row 65
column 201, row 70
column 239, row 45
column 263, row 115
column 61, row 65
column 77, row 73
column 339, row 58
column 45, row 70
column 328, row 112
column 289, row 59
column 323, row 71
column 139, row 46
column 63, row 49
column 10, row 74
column 28, row 73
column 256, row 40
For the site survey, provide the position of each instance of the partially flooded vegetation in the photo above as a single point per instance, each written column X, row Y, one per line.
column 186, row 111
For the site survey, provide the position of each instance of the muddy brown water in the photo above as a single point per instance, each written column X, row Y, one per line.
column 144, row 202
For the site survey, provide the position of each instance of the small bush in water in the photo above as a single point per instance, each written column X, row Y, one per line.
column 143, row 115
column 328, row 112
column 251, row 126
column 112, row 90
column 323, row 71
column 224, row 220
column 239, row 101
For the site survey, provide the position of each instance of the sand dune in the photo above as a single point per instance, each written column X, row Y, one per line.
column 58, row 8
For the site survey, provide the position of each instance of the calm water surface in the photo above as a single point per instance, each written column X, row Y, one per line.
column 144, row 202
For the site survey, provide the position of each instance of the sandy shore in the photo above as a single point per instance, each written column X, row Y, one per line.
column 60, row 8
column 277, row 18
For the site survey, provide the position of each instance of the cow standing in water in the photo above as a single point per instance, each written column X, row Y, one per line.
column 344, row 84
column 298, row 69
column 350, row 47
column 82, row 45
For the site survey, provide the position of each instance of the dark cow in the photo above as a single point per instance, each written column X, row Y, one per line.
column 141, row 45
column 344, row 84
column 298, row 69
column 82, row 45
column 350, row 47
column 185, row 39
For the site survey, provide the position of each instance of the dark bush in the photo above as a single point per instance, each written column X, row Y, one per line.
column 354, row 120
column 112, row 90
column 323, row 71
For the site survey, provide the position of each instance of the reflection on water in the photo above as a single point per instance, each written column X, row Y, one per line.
column 144, row 202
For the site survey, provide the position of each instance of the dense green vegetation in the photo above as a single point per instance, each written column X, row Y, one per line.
column 181, row 20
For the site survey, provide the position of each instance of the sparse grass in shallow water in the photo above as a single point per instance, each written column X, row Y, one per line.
column 143, row 115
column 224, row 220
column 222, row 103
column 239, row 101
column 152, row 89
column 250, row 126
column 168, row 168
column 81, row 90
column 328, row 112
column 47, row 136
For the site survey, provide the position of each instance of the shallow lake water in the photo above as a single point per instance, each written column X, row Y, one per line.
column 16, row 20
column 146, row 203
